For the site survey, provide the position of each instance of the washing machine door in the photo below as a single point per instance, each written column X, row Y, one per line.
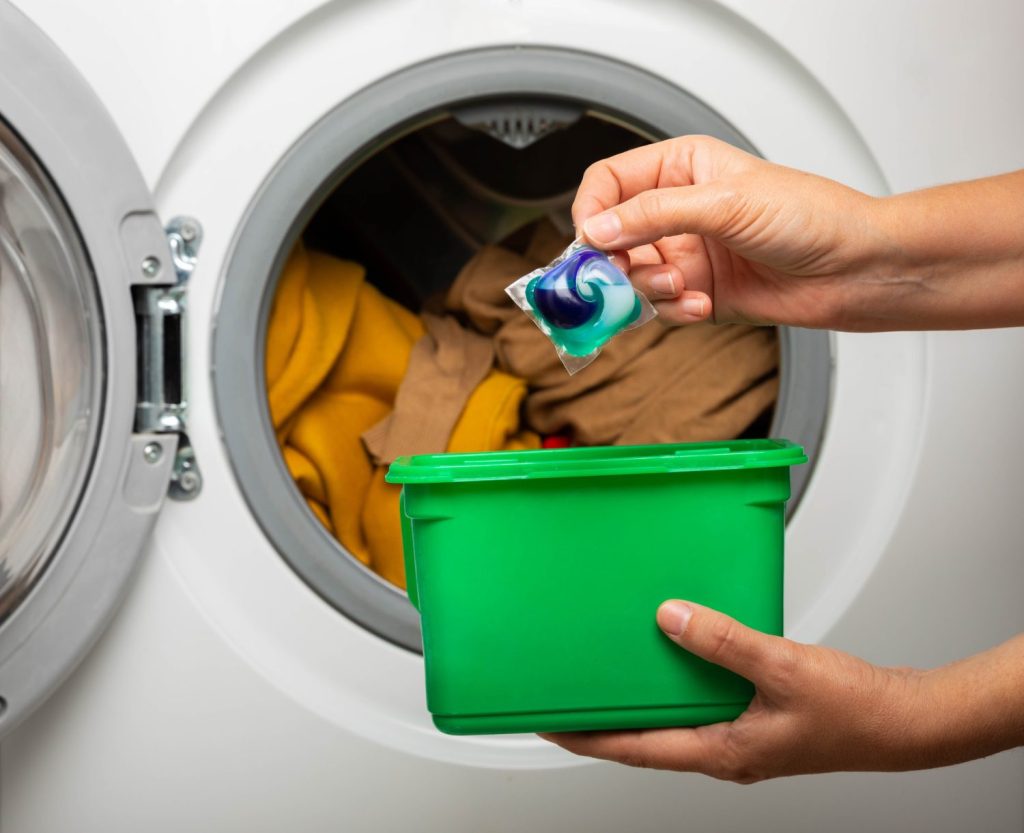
column 88, row 435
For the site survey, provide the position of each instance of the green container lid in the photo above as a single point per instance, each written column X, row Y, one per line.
column 595, row 461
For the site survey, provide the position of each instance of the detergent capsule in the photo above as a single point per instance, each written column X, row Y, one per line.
column 580, row 300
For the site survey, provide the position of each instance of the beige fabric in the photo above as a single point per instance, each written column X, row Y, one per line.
column 445, row 367
column 652, row 384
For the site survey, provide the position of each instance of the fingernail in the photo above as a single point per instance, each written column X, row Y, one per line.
column 604, row 228
column 663, row 284
column 694, row 306
column 673, row 617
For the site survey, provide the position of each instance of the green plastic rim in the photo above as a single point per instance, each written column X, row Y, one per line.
column 595, row 461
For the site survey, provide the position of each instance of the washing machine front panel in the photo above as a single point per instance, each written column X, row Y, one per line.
column 264, row 708
column 276, row 620
column 78, row 489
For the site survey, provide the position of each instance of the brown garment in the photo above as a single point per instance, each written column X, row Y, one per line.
column 649, row 385
column 445, row 367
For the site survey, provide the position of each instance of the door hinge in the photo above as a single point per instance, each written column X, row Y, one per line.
column 160, row 320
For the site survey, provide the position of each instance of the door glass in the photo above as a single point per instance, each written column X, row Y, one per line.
column 50, row 371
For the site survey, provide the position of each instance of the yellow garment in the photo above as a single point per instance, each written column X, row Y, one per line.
column 337, row 350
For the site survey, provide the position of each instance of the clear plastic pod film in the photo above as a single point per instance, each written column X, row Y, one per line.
column 537, row 576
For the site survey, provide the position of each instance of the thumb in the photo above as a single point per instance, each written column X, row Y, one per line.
column 660, row 212
column 720, row 639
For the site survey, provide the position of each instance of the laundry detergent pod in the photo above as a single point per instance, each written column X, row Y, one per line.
column 580, row 300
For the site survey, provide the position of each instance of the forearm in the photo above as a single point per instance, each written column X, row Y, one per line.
column 970, row 708
column 950, row 257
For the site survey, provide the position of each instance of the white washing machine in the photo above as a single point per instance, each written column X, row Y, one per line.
column 217, row 662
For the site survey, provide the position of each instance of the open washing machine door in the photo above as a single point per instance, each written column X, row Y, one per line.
column 90, row 433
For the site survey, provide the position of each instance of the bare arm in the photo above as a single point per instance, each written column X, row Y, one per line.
column 956, row 257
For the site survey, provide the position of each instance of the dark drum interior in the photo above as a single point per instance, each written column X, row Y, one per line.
column 419, row 208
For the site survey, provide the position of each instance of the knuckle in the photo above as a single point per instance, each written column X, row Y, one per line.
column 721, row 638
column 689, row 141
column 592, row 169
column 730, row 208
column 747, row 777
column 784, row 665
column 650, row 207
column 702, row 140
column 726, row 198
column 704, row 152
column 737, row 766
column 712, row 149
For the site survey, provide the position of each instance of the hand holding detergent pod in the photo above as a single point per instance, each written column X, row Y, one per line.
column 580, row 301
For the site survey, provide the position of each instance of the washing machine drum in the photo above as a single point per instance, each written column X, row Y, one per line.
column 411, row 178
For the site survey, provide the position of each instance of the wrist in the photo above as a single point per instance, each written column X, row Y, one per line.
column 914, row 274
column 886, row 269
column 968, row 709
column 947, row 723
column 950, row 257
column 906, row 716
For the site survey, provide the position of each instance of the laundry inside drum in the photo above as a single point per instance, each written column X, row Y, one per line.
column 390, row 332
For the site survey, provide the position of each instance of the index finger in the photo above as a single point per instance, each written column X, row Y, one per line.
column 673, row 163
column 610, row 181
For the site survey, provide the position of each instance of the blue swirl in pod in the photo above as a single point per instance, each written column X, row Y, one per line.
column 584, row 301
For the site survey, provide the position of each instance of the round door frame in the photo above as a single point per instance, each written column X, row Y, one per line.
column 57, row 117
column 338, row 143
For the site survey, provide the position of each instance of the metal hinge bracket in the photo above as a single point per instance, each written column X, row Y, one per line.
column 160, row 319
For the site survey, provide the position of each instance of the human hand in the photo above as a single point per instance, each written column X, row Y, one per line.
column 815, row 710
column 712, row 231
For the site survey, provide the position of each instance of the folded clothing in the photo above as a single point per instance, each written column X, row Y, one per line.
column 337, row 353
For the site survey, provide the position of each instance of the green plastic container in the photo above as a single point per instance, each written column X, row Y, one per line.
column 537, row 575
